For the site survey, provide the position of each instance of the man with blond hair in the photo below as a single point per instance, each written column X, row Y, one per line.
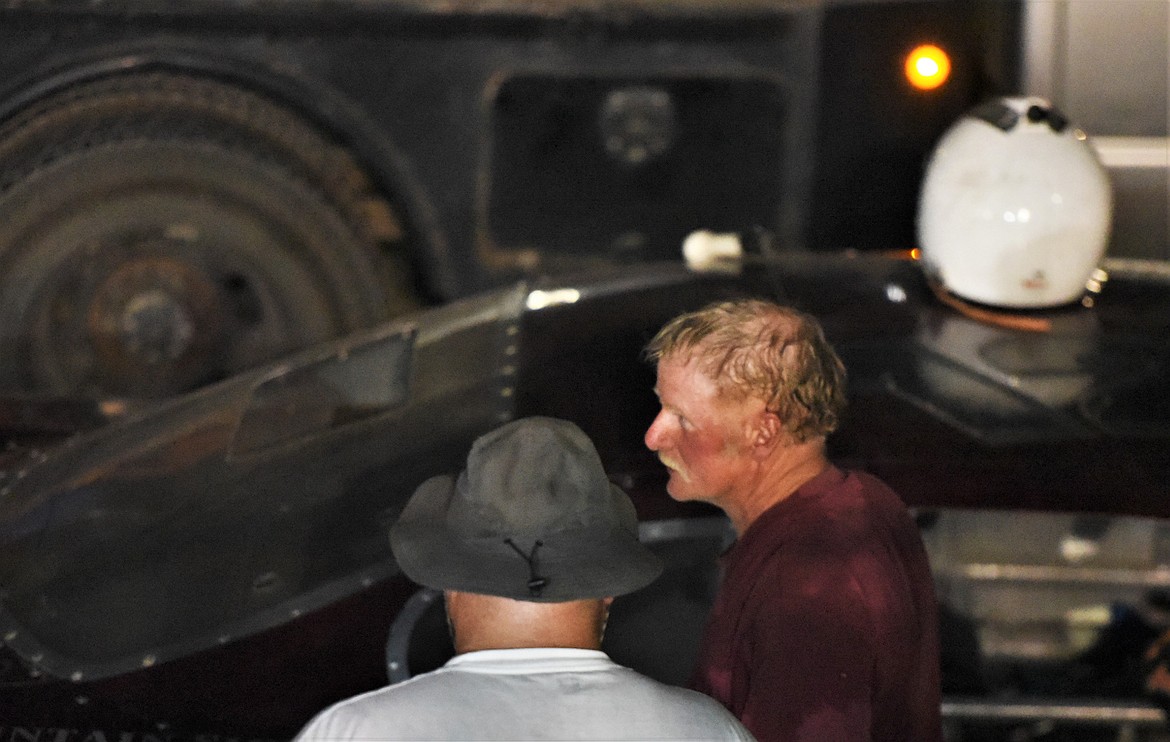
column 825, row 627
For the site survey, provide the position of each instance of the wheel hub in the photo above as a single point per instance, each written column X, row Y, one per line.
column 156, row 327
column 155, row 319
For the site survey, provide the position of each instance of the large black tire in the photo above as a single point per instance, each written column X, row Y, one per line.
column 159, row 232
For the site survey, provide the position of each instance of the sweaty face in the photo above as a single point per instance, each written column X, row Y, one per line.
column 702, row 439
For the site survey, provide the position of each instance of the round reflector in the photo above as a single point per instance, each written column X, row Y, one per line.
column 927, row 67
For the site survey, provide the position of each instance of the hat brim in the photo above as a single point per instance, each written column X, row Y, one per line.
column 577, row 564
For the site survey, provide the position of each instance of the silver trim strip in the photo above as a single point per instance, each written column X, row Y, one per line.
column 674, row 529
column 1039, row 709
column 1133, row 152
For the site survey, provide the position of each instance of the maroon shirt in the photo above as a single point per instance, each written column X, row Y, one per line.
column 826, row 627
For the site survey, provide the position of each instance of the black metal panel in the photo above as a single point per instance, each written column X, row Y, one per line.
column 154, row 539
column 875, row 131
column 790, row 116
column 634, row 164
column 247, row 504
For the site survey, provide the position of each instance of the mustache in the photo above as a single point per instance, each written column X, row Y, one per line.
column 672, row 464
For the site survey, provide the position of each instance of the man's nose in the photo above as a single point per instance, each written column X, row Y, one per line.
column 654, row 434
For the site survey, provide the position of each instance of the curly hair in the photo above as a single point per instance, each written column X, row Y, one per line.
column 756, row 348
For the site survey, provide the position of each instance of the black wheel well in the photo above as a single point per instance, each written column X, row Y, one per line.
column 324, row 108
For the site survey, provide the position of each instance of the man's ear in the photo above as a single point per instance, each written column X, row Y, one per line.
column 767, row 431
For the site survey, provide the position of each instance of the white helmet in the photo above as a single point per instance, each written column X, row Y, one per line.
column 1015, row 207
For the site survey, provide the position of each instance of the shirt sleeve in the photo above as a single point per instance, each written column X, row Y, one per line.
column 317, row 730
column 808, row 650
column 331, row 725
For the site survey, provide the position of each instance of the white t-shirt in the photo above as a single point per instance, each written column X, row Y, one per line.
column 524, row 694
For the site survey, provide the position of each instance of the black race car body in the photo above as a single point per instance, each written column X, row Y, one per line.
column 218, row 564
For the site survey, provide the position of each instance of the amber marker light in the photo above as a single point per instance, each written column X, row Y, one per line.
column 927, row 67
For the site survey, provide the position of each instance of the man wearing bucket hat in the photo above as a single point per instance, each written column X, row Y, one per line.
column 530, row 543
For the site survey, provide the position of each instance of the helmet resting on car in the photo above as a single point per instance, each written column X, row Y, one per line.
column 1015, row 207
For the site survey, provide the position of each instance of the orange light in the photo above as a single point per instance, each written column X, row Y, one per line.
column 927, row 67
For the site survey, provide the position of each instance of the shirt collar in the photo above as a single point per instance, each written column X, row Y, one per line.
column 531, row 660
column 824, row 482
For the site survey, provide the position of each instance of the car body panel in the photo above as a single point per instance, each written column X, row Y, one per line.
column 249, row 519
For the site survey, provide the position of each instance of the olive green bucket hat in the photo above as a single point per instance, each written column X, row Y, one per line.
column 532, row 517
